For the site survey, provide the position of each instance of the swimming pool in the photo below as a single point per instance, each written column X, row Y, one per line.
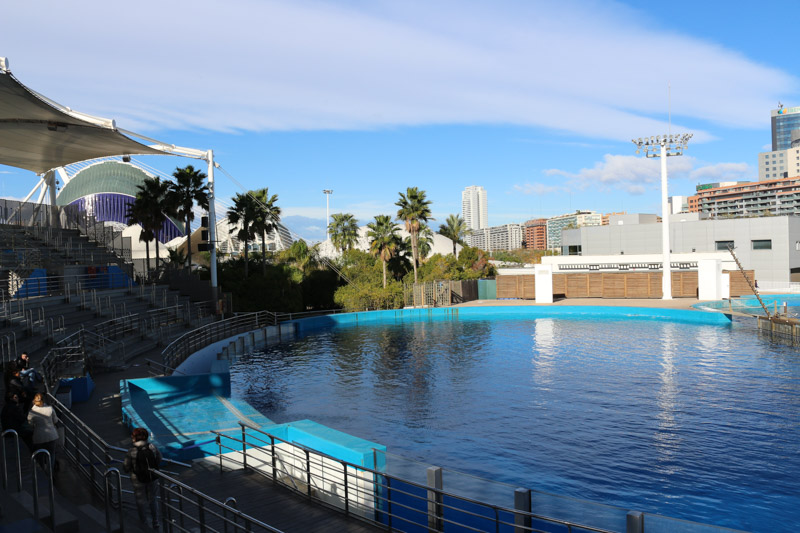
column 695, row 421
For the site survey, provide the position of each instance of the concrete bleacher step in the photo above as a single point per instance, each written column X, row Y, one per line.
column 65, row 522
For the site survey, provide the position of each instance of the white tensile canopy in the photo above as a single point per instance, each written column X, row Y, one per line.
column 39, row 135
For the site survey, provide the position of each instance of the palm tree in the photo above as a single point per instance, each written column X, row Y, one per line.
column 303, row 257
column 176, row 259
column 140, row 212
column 243, row 213
column 414, row 210
column 454, row 229
column 343, row 230
column 267, row 216
column 187, row 189
column 155, row 193
column 383, row 241
column 425, row 241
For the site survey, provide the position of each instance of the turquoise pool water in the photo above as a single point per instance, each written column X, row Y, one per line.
column 694, row 421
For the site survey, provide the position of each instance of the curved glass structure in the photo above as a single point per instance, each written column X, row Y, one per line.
column 106, row 189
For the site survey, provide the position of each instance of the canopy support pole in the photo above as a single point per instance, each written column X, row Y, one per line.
column 212, row 226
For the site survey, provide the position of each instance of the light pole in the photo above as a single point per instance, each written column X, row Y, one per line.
column 664, row 146
column 327, row 193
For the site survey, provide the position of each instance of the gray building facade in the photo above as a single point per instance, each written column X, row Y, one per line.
column 768, row 245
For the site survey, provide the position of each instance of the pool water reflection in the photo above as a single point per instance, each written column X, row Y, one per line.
column 691, row 421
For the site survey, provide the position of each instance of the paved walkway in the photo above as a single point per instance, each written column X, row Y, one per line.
column 676, row 303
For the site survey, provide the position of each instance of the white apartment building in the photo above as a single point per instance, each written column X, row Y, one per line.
column 506, row 237
column 474, row 209
column 577, row 219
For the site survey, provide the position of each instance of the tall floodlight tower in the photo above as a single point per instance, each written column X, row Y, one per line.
column 327, row 193
column 664, row 146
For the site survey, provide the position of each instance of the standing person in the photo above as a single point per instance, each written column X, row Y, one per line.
column 16, row 386
column 45, row 435
column 139, row 461
column 13, row 417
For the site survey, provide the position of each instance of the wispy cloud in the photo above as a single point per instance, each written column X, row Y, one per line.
column 724, row 172
column 309, row 65
column 635, row 175
column 539, row 189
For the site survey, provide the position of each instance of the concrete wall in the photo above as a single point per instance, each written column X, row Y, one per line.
column 698, row 237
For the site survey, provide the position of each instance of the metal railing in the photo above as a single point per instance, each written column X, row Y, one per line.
column 374, row 495
column 184, row 346
column 95, row 461
column 184, row 508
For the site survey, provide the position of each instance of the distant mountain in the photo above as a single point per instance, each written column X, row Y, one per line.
column 310, row 229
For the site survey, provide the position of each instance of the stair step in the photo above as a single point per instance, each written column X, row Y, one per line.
column 66, row 522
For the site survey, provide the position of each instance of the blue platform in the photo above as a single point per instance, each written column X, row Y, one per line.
column 180, row 413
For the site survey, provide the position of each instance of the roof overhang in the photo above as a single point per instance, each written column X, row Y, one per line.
column 38, row 134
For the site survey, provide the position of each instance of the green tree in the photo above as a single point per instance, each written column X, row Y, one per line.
column 414, row 210
column 156, row 194
column 424, row 242
column 301, row 256
column 343, row 230
column 176, row 259
column 242, row 214
column 454, row 229
column 139, row 212
column 383, row 240
column 187, row 189
column 268, row 214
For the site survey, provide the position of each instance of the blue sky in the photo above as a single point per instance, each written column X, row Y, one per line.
column 535, row 101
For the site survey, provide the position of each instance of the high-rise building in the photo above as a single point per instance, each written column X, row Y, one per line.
column 571, row 220
column 753, row 199
column 474, row 210
column 536, row 234
column 779, row 164
column 785, row 121
column 505, row 237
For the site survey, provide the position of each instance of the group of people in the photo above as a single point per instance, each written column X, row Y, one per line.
column 37, row 423
column 26, row 412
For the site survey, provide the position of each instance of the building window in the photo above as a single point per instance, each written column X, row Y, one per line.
column 763, row 244
column 722, row 246
column 797, row 246
column 574, row 250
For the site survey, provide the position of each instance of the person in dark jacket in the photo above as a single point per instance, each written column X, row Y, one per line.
column 15, row 386
column 144, row 491
column 13, row 417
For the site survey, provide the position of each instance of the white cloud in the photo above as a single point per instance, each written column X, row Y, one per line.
column 576, row 66
column 724, row 172
column 635, row 174
column 539, row 188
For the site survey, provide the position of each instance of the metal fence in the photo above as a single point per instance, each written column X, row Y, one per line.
column 181, row 348
column 374, row 495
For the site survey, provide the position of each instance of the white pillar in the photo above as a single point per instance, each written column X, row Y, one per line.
column 709, row 279
column 543, row 283
column 666, row 282
column 212, row 225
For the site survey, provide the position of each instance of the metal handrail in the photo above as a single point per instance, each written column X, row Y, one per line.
column 181, row 348
column 51, row 492
column 439, row 495
column 171, row 489
column 5, row 458
column 109, row 493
